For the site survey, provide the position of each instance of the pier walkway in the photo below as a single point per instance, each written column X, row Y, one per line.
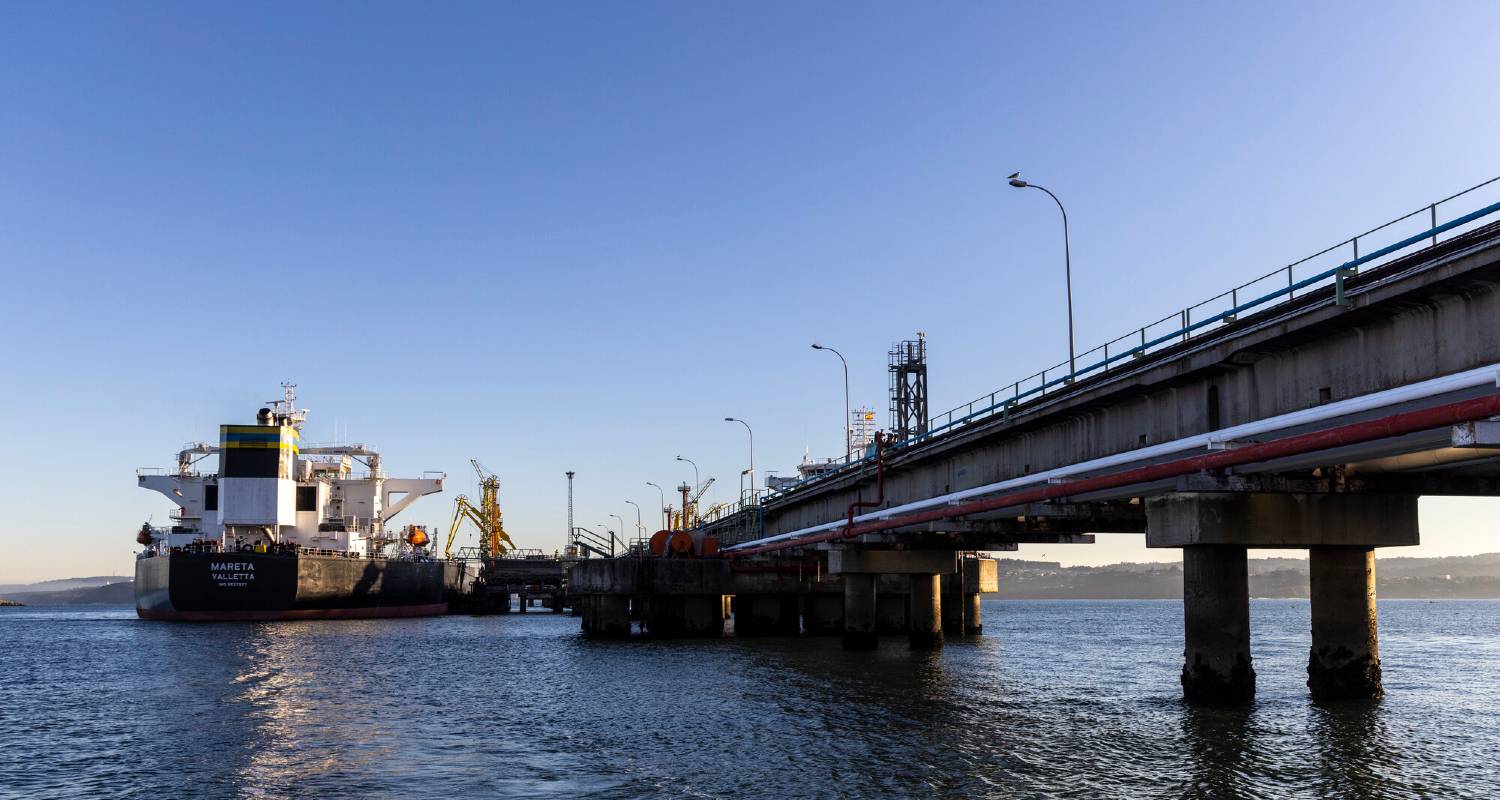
column 1309, row 416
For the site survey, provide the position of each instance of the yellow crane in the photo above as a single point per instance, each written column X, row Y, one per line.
column 493, row 540
column 689, row 517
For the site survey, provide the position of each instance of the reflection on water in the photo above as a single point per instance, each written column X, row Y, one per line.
column 1065, row 699
column 1219, row 742
column 291, row 739
column 1354, row 748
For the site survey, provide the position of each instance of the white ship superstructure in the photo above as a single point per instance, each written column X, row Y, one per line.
column 270, row 490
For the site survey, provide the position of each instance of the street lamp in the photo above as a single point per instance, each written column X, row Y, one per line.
column 640, row 529
column 1015, row 180
column 848, row 443
column 752, row 453
column 695, row 471
column 622, row 527
column 663, row 503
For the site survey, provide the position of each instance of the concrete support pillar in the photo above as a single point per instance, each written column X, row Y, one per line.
column 890, row 612
column 973, row 625
column 823, row 613
column 684, row 615
column 925, row 630
column 766, row 615
column 702, row 615
column 952, row 604
column 1216, row 615
column 1345, row 660
column 859, row 611
column 606, row 615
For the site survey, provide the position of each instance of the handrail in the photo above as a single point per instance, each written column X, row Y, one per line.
column 1009, row 400
column 1345, row 268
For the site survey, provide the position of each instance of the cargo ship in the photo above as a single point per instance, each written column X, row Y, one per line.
column 283, row 531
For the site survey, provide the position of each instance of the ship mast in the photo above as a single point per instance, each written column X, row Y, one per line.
column 286, row 408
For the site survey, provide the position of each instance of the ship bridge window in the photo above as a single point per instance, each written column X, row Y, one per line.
column 211, row 497
column 307, row 498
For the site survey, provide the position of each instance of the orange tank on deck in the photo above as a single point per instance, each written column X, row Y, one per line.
column 683, row 544
column 680, row 543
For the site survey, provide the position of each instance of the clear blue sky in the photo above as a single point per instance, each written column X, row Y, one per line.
column 578, row 235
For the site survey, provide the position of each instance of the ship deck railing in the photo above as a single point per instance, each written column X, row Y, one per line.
column 152, row 552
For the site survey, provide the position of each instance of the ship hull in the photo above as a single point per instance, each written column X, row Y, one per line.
column 215, row 587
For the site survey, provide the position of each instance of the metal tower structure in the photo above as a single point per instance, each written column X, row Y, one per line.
column 908, row 368
column 861, row 431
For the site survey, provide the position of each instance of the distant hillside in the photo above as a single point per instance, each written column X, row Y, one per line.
column 1458, row 577
column 121, row 592
column 61, row 584
column 1468, row 577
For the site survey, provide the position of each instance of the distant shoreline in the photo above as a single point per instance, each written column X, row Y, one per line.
column 1474, row 577
column 1002, row 596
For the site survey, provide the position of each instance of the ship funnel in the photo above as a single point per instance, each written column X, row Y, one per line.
column 263, row 416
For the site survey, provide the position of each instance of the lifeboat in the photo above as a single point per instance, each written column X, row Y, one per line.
column 416, row 536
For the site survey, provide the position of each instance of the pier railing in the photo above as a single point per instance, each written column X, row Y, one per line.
column 1281, row 285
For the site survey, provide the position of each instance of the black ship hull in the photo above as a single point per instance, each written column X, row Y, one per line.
column 274, row 586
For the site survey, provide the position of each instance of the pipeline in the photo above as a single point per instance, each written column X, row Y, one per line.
column 879, row 480
column 1470, row 379
column 1354, row 433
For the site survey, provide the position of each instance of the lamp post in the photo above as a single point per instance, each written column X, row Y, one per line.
column 695, row 471
column 572, row 532
column 1015, row 180
column 640, row 529
column 848, row 444
column 622, row 527
column 663, row 504
column 752, row 454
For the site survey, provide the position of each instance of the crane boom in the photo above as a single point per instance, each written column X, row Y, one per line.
column 493, row 540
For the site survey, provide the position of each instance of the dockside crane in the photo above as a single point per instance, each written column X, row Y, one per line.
column 689, row 516
column 493, row 540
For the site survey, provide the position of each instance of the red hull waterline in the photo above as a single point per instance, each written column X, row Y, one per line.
column 372, row 612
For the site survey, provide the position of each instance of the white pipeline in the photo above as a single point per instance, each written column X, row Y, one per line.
column 1482, row 376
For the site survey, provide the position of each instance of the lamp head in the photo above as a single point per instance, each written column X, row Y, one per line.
column 680, row 458
column 729, row 419
column 1015, row 180
column 817, row 346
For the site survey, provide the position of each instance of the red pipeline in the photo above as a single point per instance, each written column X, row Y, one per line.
column 1354, row 433
column 879, row 480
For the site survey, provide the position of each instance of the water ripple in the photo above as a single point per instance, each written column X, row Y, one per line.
column 1062, row 700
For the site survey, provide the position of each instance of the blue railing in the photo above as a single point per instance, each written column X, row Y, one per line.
column 1006, row 402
